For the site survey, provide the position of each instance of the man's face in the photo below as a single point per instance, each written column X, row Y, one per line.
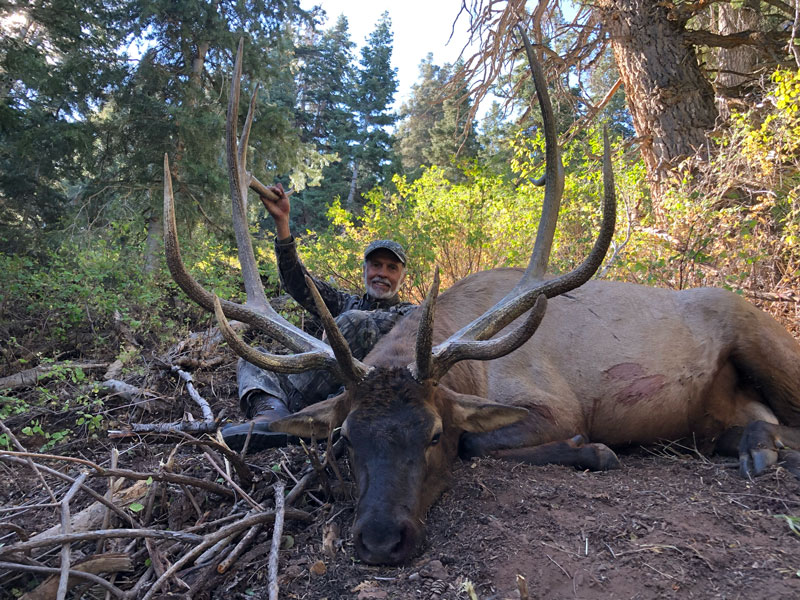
column 383, row 274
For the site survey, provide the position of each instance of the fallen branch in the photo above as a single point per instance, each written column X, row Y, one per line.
column 196, row 427
column 277, row 532
column 100, row 534
column 124, row 390
column 243, row 544
column 61, row 594
column 208, row 415
column 102, row 472
column 30, row 377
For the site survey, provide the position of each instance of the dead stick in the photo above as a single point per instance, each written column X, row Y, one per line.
column 243, row 544
column 277, row 531
column 21, row 533
column 208, row 415
column 65, row 529
column 100, row 534
column 312, row 455
column 232, row 483
column 300, row 487
column 101, row 472
column 213, row 538
column 73, row 573
column 109, row 497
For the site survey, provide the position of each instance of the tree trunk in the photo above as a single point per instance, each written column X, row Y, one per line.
column 351, row 196
column 735, row 65
column 671, row 102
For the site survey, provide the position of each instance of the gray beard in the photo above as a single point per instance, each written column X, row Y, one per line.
column 380, row 295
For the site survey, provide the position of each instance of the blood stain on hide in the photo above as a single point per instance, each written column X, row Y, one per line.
column 640, row 385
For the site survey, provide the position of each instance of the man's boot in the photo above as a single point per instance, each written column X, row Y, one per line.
column 264, row 410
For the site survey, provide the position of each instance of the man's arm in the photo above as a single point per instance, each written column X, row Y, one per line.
column 291, row 270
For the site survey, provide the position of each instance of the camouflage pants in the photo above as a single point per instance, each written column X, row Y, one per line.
column 362, row 330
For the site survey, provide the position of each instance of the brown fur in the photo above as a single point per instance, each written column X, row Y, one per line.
column 611, row 362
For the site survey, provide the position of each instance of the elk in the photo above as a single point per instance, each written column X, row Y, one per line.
column 610, row 364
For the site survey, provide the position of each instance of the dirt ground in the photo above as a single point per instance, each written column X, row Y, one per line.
column 660, row 527
column 668, row 524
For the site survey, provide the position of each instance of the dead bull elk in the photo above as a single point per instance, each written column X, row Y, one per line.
column 611, row 362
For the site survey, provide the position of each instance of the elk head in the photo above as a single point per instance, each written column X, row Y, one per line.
column 400, row 412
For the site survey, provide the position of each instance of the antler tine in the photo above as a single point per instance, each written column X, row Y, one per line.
column 553, row 178
column 291, row 363
column 350, row 369
column 268, row 320
column 446, row 355
column 236, row 152
column 473, row 341
column 423, row 366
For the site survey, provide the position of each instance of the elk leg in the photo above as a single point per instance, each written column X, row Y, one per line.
column 575, row 452
column 760, row 445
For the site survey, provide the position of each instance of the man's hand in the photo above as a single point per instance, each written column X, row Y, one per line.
column 278, row 208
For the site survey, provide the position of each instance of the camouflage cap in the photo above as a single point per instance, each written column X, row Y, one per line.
column 389, row 245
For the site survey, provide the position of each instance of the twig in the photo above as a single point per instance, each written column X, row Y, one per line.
column 109, row 497
column 232, row 483
column 247, row 440
column 246, row 540
column 83, row 536
column 65, row 518
column 300, row 487
column 318, row 467
column 23, row 535
column 559, row 566
column 277, row 531
column 208, row 415
column 238, row 463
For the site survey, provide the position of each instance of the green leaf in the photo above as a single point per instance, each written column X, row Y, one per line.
column 136, row 507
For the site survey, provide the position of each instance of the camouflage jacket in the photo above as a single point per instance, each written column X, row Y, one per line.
column 292, row 273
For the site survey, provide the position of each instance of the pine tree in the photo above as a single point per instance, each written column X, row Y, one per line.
column 58, row 66
column 325, row 84
column 373, row 161
column 434, row 128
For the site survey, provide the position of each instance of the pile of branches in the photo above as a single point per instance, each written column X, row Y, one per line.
column 130, row 526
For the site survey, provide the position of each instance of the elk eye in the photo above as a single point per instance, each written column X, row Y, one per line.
column 435, row 438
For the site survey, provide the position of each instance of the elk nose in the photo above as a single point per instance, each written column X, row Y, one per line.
column 385, row 542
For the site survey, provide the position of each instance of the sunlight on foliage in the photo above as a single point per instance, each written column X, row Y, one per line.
column 733, row 220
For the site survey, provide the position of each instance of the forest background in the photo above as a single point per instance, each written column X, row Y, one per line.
column 701, row 99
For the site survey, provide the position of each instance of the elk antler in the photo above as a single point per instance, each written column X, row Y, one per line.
column 473, row 341
column 311, row 353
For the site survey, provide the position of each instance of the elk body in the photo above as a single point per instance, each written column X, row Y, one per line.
column 610, row 364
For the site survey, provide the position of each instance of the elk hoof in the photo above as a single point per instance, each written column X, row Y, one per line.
column 597, row 457
column 758, row 449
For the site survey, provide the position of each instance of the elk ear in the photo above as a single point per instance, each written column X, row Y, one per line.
column 476, row 415
column 314, row 421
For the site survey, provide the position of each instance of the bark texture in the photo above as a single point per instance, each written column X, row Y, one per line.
column 670, row 100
